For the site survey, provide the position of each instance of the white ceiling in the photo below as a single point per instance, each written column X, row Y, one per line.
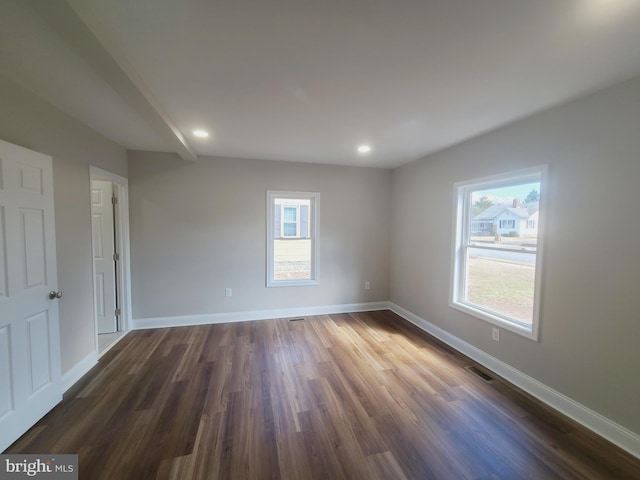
column 308, row 81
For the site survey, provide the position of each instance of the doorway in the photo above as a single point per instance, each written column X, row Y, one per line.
column 110, row 250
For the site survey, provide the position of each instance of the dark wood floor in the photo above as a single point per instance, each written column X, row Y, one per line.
column 359, row 396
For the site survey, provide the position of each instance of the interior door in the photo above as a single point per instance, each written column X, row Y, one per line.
column 30, row 378
column 102, row 227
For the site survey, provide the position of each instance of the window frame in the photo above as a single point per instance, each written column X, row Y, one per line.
column 462, row 232
column 314, row 212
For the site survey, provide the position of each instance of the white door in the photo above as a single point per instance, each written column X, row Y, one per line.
column 102, row 227
column 30, row 378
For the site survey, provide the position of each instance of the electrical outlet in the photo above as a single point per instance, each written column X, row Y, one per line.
column 495, row 334
column 228, row 292
column 367, row 285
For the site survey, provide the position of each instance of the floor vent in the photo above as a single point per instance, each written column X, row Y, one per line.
column 296, row 319
column 479, row 373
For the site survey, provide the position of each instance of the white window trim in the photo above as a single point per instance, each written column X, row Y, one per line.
column 462, row 206
column 314, row 212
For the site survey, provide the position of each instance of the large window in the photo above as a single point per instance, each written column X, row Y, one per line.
column 292, row 232
column 496, row 264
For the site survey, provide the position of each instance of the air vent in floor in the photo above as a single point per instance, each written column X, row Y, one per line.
column 479, row 373
column 296, row 319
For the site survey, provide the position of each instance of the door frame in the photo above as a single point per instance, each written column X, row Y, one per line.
column 123, row 275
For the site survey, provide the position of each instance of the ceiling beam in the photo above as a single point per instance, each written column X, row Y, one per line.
column 112, row 68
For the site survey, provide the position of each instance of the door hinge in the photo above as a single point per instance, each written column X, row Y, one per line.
column 116, row 257
column 118, row 312
column 114, row 200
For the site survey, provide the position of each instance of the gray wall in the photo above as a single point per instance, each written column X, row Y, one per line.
column 28, row 121
column 197, row 228
column 590, row 325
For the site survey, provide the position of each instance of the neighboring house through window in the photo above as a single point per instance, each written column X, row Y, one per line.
column 292, row 238
column 496, row 265
column 290, row 224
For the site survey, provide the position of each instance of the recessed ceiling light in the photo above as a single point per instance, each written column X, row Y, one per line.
column 364, row 149
column 201, row 133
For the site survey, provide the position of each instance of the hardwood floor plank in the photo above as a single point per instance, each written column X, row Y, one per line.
column 206, row 454
column 384, row 465
column 293, row 457
column 364, row 395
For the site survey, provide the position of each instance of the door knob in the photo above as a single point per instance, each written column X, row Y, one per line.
column 53, row 294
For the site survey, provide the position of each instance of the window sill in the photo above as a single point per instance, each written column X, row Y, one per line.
column 291, row 283
column 529, row 332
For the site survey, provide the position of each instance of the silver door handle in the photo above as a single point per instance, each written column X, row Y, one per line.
column 53, row 295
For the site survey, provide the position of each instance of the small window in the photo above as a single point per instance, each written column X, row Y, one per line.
column 496, row 261
column 507, row 224
column 290, row 221
column 292, row 238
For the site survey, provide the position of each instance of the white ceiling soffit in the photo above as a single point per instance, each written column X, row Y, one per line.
column 309, row 81
column 113, row 68
column 35, row 57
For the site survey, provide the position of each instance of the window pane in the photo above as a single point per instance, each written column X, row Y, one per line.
column 506, row 216
column 289, row 214
column 289, row 230
column 292, row 259
column 501, row 277
column 502, row 281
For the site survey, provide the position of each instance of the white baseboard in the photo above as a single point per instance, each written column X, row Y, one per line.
column 179, row 321
column 78, row 371
column 616, row 434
